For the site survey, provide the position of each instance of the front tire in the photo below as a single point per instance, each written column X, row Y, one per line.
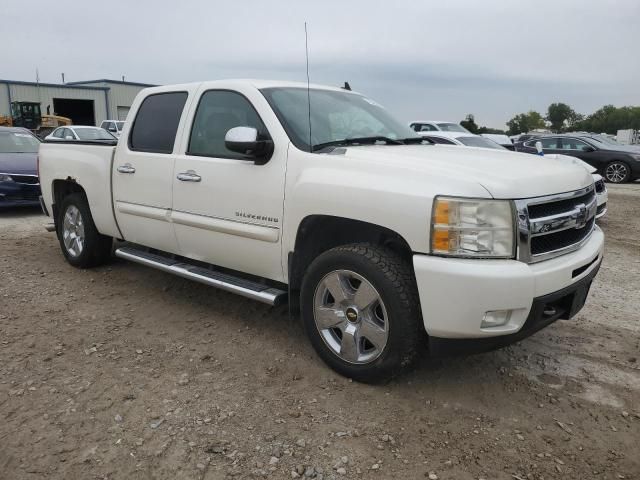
column 617, row 172
column 81, row 243
column 361, row 312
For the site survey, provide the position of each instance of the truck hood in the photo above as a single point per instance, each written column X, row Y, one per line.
column 504, row 174
column 574, row 160
column 18, row 163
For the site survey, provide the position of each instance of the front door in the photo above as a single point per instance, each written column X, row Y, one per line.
column 143, row 172
column 582, row 150
column 227, row 210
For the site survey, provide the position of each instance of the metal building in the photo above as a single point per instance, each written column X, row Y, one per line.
column 86, row 103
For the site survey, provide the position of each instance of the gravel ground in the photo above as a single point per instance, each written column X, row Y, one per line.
column 124, row 372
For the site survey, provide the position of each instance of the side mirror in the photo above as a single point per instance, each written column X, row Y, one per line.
column 539, row 148
column 68, row 137
column 247, row 141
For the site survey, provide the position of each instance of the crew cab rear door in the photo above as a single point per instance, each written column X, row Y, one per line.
column 227, row 209
column 143, row 171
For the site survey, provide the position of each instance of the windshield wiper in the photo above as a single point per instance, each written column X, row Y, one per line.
column 356, row 141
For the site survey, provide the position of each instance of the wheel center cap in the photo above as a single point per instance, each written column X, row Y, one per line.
column 352, row 314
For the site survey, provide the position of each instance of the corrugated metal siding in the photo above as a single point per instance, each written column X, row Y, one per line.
column 4, row 100
column 120, row 95
column 46, row 94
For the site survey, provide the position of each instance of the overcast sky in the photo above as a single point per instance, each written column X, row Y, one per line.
column 422, row 59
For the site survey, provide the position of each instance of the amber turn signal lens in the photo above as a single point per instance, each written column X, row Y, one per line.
column 441, row 240
column 442, row 212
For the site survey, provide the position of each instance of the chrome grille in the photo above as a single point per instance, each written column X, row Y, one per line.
column 554, row 225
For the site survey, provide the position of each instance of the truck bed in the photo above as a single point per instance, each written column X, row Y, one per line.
column 90, row 165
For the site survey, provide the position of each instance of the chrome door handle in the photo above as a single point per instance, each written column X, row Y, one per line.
column 126, row 168
column 189, row 176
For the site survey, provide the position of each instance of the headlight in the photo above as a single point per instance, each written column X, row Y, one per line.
column 5, row 178
column 467, row 227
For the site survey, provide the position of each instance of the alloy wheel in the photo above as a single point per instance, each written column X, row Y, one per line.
column 73, row 231
column 616, row 172
column 351, row 317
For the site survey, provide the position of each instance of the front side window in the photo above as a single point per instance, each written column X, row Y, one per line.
column 423, row 127
column 335, row 116
column 59, row 133
column 18, row 142
column 156, row 123
column 218, row 112
column 68, row 134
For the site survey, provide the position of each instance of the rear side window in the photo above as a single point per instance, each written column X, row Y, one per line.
column 156, row 123
column 218, row 112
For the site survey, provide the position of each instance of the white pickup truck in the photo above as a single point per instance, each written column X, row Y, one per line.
column 380, row 240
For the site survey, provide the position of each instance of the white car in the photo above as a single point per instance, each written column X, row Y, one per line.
column 421, row 126
column 465, row 139
column 471, row 140
column 113, row 126
column 500, row 139
column 80, row 133
column 378, row 239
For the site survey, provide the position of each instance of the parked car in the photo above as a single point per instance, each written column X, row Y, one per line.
column 461, row 138
column 19, row 184
column 471, row 140
column 81, row 133
column 113, row 126
column 616, row 163
column 436, row 126
column 377, row 237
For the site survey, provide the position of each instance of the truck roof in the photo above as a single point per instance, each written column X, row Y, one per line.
column 256, row 83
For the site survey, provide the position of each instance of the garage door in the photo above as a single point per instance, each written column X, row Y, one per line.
column 122, row 113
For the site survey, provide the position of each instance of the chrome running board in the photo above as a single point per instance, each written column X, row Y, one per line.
column 224, row 281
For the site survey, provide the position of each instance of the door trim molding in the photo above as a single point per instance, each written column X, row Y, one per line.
column 231, row 227
column 139, row 210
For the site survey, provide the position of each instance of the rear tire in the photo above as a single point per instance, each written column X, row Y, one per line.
column 617, row 172
column 81, row 243
column 361, row 312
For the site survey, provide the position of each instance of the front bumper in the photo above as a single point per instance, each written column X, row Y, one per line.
column 14, row 194
column 455, row 294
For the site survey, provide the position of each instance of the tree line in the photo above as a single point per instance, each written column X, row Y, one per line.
column 560, row 117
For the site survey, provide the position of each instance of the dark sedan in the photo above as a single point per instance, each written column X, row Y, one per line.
column 616, row 163
column 19, row 184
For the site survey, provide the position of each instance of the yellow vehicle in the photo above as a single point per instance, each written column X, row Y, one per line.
column 28, row 115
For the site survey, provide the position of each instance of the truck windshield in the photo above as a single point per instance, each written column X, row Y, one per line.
column 16, row 142
column 335, row 116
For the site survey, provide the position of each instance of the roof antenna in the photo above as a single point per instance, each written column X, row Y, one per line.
column 346, row 86
column 306, row 47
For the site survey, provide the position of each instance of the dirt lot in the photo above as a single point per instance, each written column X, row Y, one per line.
column 124, row 372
